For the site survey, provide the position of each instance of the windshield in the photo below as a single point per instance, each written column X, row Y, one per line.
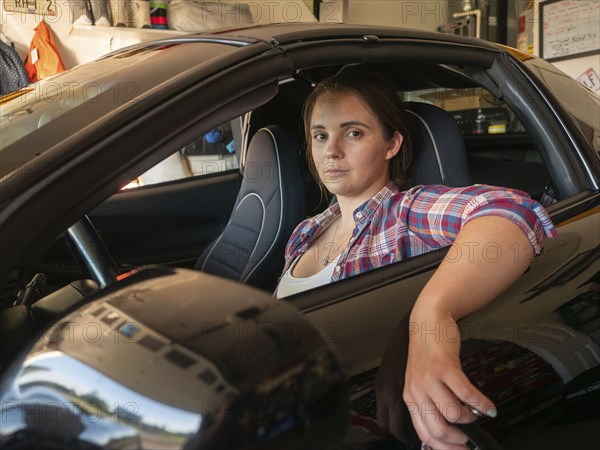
column 41, row 103
column 582, row 104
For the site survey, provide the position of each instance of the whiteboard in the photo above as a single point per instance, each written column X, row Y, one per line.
column 569, row 28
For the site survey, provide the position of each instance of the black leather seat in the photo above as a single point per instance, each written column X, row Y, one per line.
column 269, row 206
column 438, row 147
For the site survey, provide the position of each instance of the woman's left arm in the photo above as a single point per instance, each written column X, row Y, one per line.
column 488, row 255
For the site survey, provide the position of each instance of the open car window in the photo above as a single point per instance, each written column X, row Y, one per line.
column 500, row 151
column 213, row 152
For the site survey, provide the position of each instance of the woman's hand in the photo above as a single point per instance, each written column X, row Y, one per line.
column 434, row 389
column 437, row 393
column 420, row 379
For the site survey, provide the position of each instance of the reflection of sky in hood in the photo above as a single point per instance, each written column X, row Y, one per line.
column 83, row 380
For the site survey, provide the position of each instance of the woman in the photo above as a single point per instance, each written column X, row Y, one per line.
column 360, row 151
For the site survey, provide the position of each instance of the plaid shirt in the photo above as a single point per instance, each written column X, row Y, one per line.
column 395, row 225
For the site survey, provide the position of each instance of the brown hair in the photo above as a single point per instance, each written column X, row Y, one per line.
column 378, row 94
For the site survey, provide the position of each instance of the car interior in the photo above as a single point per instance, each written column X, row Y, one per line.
column 241, row 188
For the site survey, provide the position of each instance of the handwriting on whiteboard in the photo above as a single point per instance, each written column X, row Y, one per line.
column 570, row 27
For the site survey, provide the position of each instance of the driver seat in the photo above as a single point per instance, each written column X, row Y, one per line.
column 268, row 207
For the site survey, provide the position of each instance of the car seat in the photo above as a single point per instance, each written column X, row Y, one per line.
column 268, row 207
column 439, row 155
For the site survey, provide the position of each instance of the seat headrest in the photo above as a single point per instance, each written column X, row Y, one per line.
column 439, row 155
column 270, row 145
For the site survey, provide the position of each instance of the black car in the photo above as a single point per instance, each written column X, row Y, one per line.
column 151, row 307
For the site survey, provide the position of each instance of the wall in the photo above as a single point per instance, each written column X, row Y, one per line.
column 428, row 15
column 514, row 10
column 425, row 15
column 79, row 43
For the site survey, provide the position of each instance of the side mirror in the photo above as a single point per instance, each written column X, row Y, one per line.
column 181, row 359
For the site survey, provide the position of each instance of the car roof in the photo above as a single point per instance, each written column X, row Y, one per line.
column 290, row 32
column 286, row 33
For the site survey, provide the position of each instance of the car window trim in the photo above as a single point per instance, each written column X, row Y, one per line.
column 384, row 50
column 349, row 288
column 580, row 170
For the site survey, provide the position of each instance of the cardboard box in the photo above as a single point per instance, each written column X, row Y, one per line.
column 461, row 99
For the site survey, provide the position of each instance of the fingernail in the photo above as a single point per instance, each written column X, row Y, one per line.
column 491, row 412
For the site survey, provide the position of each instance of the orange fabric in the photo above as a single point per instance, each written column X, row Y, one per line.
column 43, row 48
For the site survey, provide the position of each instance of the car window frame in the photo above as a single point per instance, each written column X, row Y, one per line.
column 562, row 146
column 490, row 78
column 39, row 180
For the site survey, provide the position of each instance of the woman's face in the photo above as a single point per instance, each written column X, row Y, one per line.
column 348, row 147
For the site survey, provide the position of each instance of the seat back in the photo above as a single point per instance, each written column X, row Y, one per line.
column 269, row 206
column 439, row 155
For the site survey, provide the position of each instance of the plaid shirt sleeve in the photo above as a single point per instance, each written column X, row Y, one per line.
column 437, row 213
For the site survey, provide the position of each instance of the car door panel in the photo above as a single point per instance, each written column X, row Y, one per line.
column 526, row 350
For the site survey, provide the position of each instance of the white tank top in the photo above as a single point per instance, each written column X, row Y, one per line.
column 289, row 284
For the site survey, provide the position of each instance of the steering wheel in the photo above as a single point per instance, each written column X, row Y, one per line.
column 89, row 249
column 86, row 243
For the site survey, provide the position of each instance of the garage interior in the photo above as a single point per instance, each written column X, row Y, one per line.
column 86, row 30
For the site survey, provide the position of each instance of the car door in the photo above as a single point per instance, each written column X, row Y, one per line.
column 534, row 350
